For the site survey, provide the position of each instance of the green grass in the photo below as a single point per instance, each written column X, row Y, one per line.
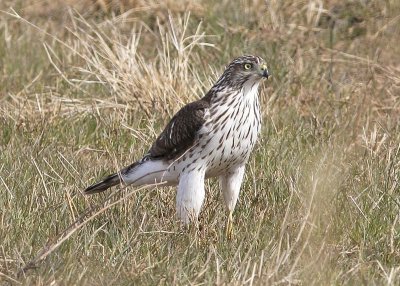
column 320, row 203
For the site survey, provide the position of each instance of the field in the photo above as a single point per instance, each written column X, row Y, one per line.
column 86, row 86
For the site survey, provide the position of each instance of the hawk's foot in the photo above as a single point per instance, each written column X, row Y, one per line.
column 229, row 227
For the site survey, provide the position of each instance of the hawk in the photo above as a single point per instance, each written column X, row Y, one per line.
column 210, row 137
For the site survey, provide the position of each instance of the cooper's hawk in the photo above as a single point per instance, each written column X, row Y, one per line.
column 210, row 137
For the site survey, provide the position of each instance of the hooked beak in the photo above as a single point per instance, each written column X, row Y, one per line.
column 264, row 71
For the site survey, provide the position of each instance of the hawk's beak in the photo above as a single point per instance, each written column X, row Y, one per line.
column 264, row 71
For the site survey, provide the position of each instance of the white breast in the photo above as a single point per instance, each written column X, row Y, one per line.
column 227, row 137
column 232, row 129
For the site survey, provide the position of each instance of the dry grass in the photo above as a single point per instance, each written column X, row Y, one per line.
column 84, row 91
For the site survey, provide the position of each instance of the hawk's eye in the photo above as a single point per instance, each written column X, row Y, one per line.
column 247, row 66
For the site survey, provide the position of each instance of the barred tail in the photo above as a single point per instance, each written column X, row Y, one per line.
column 139, row 173
column 103, row 185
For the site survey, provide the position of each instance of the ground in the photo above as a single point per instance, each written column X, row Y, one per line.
column 85, row 87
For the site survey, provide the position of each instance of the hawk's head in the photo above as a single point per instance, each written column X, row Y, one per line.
column 242, row 70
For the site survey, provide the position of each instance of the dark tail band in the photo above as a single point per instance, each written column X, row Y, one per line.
column 108, row 182
column 112, row 180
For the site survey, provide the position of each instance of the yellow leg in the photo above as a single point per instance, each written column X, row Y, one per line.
column 229, row 227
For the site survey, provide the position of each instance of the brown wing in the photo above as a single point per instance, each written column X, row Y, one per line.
column 181, row 131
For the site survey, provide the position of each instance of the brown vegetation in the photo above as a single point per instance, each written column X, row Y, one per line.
column 85, row 86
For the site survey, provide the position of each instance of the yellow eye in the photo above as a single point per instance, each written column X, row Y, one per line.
column 247, row 66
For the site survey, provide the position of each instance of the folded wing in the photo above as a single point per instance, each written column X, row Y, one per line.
column 180, row 133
